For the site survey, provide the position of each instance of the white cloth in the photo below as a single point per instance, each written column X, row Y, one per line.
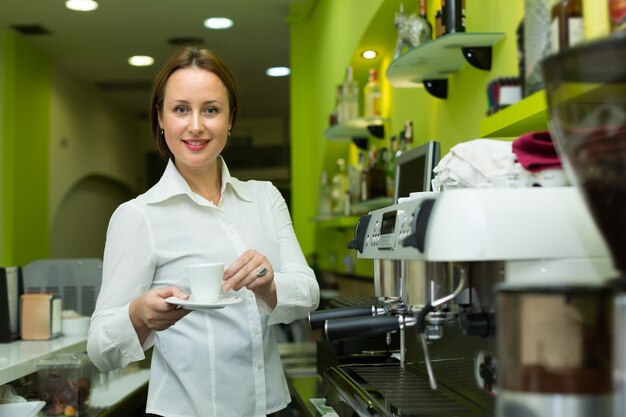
column 473, row 163
column 224, row 363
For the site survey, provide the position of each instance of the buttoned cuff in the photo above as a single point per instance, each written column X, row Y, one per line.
column 286, row 297
column 124, row 337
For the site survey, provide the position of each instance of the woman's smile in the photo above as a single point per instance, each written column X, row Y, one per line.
column 195, row 144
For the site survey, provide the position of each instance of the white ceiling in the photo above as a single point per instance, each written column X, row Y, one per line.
column 94, row 46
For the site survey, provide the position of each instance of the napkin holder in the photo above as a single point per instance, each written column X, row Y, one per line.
column 41, row 316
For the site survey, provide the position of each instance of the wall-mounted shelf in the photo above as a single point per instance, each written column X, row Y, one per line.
column 529, row 114
column 432, row 62
column 336, row 222
column 358, row 130
column 357, row 209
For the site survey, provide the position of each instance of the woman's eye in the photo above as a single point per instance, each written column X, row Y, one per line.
column 210, row 110
column 180, row 110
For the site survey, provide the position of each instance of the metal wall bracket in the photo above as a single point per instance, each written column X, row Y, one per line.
column 478, row 56
column 437, row 88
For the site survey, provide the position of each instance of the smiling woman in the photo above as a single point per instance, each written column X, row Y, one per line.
column 197, row 213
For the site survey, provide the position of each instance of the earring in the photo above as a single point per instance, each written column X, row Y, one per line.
column 228, row 131
column 162, row 132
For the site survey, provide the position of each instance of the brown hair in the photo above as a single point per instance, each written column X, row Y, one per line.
column 189, row 57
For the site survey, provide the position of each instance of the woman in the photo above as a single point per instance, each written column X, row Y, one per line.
column 225, row 362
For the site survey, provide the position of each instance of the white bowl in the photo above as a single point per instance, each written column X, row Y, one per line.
column 76, row 327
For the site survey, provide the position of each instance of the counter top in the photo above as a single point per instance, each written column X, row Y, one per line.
column 19, row 358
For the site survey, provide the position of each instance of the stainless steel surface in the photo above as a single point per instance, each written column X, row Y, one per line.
column 523, row 404
column 387, row 279
column 389, row 390
column 619, row 345
column 424, row 282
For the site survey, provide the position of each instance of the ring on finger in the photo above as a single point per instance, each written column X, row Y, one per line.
column 261, row 271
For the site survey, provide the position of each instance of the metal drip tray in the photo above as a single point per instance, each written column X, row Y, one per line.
column 388, row 390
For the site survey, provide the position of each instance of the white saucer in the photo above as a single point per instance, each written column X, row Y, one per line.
column 191, row 305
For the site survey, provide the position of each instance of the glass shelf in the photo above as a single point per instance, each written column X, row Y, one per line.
column 356, row 128
column 436, row 59
column 356, row 210
column 336, row 222
column 527, row 115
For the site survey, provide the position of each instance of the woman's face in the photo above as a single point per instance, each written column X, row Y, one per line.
column 196, row 118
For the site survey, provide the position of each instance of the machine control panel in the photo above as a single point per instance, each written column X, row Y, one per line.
column 388, row 229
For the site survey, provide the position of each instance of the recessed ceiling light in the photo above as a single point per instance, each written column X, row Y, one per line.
column 81, row 5
column 278, row 71
column 218, row 23
column 369, row 54
column 141, row 61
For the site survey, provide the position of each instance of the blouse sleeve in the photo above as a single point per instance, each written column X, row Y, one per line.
column 127, row 272
column 296, row 286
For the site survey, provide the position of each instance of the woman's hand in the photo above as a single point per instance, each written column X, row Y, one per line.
column 150, row 312
column 253, row 271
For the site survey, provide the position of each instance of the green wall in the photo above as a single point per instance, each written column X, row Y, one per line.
column 24, row 157
column 330, row 37
column 322, row 44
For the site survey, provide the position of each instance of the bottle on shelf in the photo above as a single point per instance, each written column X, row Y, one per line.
column 355, row 173
column 428, row 32
column 339, row 188
column 566, row 27
column 440, row 28
column 453, row 16
column 376, row 181
column 364, row 182
column 372, row 95
column 408, row 133
column 390, row 171
column 401, row 145
column 336, row 116
column 350, row 97
column 324, row 203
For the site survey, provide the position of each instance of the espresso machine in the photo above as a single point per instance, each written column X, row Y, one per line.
column 449, row 268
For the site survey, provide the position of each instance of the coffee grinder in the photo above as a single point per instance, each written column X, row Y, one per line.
column 586, row 93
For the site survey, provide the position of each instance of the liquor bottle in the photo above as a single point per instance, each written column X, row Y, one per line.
column 453, row 15
column 364, row 182
column 408, row 133
column 390, row 166
column 617, row 14
column 440, row 28
column 355, row 173
column 371, row 95
column 428, row 32
column 324, row 203
column 566, row 29
column 350, row 95
column 339, row 188
column 376, row 182
column 336, row 116
column 401, row 145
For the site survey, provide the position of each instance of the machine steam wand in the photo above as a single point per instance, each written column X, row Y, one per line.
column 421, row 327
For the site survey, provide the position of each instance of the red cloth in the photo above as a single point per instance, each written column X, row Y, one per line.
column 535, row 152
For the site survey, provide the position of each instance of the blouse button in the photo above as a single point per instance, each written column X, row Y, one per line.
column 259, row 365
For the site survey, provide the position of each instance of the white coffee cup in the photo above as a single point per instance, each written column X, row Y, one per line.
column 205, row 281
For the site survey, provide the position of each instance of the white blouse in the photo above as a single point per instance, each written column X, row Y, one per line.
column 222, row 363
